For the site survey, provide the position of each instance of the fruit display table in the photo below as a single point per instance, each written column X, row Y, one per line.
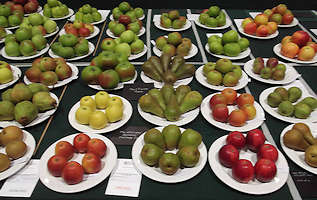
column 205, row 185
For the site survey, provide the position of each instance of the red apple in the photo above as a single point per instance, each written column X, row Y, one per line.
column 244, row 98
column 267, row 151
column 56, row 164
column 124, row 19
column 230, row 94
column 312, row 44
column 30, row 7
column 261, row 19
column 236, row 139
column 205, row 10
column 73, row 31
column 250, row 28
column 262, row 31
column 68, row 26
column 83, row 32
column 265, row 170
column 73, row 173
column 286, row 39
column 306, row 53
column 300, row 38
column 217, row 99
column 220, row 112
column 243, row 171
column 17, row 7
column 65, row 149
column 91, row 163
column 237, row 118
column 97, row 146
column 228, row 155
column 255, row 139
column 20, row 1
column 80, row 142
column 246, row 21
column 249, row 110
column 287, row 18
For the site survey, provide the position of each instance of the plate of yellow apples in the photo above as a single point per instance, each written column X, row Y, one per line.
column 100, row 113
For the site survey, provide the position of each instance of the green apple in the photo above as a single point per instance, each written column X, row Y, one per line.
column 26, row 25
column 123, row 48
column 5, row 75
column 132, row 15
column 35, row 19
column 135, row 27
column 232, row 49
column 125, row 70
column 117, row 41
column 211, row 22
column 65, row 10
column 124, row 6
column 90, row 74
column 52, row 3
column 10, row 38
column 50, row 26
column 214, row 38
column 4, row 21
column 243, row 43
column 12, row 49
column 81, row 49
column 68, row 40
column 109, row 79
column 108, row 44
column 3, row 33
column 118, row 29
column 66, row 52
column 93, row 9
column 23, row 34
column 137, row 46
column 216, row 47
column 116, row 12
column 47, row 12
column 138, row 12
column 57, row 12
column 230, row 36
column 79, row 16
column 127, row 36
column 237, row 71
column 96, row 16
column 224, row 65
column 88, row 18
column 221, row 19
column 55, row 47
column 111, row 25
column 203, row 18
column 14, row 20
column 213, row 11
column 214, row 77
column 39, row 41
column 38, row 30
column 5, row 10
column 86, row 8
column 230, row 79
column 27, row 48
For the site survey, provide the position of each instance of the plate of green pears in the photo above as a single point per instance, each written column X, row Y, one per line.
column 290, row 103
column 167, row 105
column 169, row 154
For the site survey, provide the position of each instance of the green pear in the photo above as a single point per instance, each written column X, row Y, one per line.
column 43, row 101
column 185, row 71
column 25, row 112
column 149, row 104
column 274, row 99
column 156, row 62
column 154, row 136
column 177, row 61
column 310, row 101
column 6, row 110
column 6, row 95
column 302, row 111
column 283, row 93
column 167, row 91
column 21, row 92
column 165, row 60
column 294, row 93
column 169, row 163
column 157, row 95
column 295, row 140
column 191, row 101
column 151, row 154
column 190, row 137
column 189, row 156
column 37, row 87
column 181, row 92
column 150, row 71
column 172, row 135
column 172, row 111
column 286, row 108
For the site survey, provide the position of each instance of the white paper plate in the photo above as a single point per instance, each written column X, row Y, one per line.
column 244, row 80
column 127, row 113
column 71, row 12
column 18, row 164
column 250, row 124
column 39, row 9
column 156, row 174
column 40, row 117
column 8, row 32
column 240, row 29
column 60, row 83
column 39, row 53
column 141, row 18
column 294, row 22
column 12, row 27
column 184, row 118
column 53, row 33
column 277, row 51
column 290, row 74
column 228, row 23
column 254, row 186
column 156, row 20
column 243, row 54
column 120, row 85
column 274, row 111
column 57, row 184
column 104, row 14
column 139, row 55
column 110, row 34
column 16, row 75
column 94, row 34
column 91, row 50
column 298, row 157
column 192, row 52
column 157, row 84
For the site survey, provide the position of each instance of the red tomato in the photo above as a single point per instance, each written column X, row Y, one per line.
column 64, row 148
column 255, row 139
column 265, row 170
column 80, row 142
column 228, row 155
column 73, row 173
column 236, row 139
column 56, row 164
column 243, row 171
column 97, row 147
column 268, row 151
column 91, row 163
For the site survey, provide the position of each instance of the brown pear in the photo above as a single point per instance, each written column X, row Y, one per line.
column 295, row 140
column 305, row 131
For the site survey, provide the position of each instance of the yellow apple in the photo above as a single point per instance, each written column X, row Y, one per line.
column 115, row 101
column 88, row 101
column 102, row 99
column 98, row 120
column 83, row 114
column 114, row 113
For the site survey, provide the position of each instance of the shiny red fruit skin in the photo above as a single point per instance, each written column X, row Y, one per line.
column 91, row 163
column 243, row 171
column 267, row 151
column 73, row 173
column 64, row 148
column 236, row 139
column 80, row 142
column 56, row 164
column 220, row 113
column 97, row 147
column 228, row 155
column 265, row 170
column 255, row 138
